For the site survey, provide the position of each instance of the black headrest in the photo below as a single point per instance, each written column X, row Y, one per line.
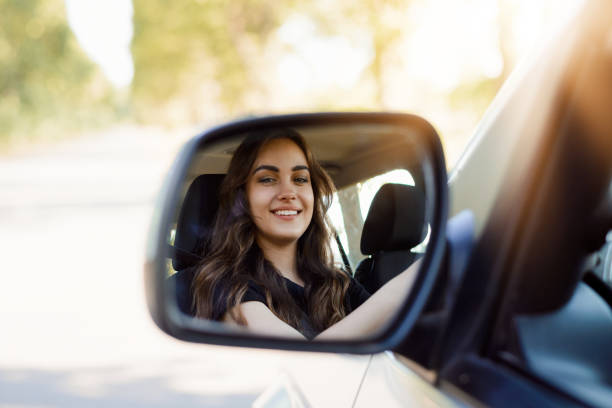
column 196, row 218
column 395, row 221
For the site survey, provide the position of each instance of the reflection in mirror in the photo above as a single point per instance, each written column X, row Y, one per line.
column 313, row 232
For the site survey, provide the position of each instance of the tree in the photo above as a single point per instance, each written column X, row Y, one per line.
column 44, row 76
column 184, row 49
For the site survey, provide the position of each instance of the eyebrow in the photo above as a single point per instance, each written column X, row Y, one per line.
column 266, row 167
column 275, row 169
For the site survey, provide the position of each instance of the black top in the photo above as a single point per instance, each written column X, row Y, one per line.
column 355, row 296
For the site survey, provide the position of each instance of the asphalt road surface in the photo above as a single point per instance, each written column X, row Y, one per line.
column 75, row 331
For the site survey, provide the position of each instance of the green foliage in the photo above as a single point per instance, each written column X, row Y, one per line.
column 194, row 61
column 45, row 79
column 180, row 46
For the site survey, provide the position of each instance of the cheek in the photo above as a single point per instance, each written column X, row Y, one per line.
column 311, row 200
column 251, row 198
column 258, row 199
column 308, row 198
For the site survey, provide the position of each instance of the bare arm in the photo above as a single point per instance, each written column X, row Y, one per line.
column 364, row 320
column 261, row 320
column 376, row 311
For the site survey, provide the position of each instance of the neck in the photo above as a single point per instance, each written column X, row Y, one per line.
column 283, row 257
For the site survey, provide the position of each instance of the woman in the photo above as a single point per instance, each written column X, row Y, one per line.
column 268, row 266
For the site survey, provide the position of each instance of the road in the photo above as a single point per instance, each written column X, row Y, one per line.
column 75, row 331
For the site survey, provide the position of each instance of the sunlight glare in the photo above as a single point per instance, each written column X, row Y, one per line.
column 459, row 44
column 104, row 31
column 314, row 61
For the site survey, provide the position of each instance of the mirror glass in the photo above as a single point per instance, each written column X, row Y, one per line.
column 306, row 234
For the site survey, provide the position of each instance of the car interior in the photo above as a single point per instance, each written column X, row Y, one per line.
column 388, row 230
column 359, row 160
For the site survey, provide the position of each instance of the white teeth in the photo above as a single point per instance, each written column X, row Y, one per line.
column 285, row 212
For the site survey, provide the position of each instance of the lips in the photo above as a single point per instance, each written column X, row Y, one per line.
column 286, row 212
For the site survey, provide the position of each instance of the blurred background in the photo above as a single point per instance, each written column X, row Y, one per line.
column 96, row 97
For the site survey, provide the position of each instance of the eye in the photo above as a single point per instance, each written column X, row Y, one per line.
column 265, row 180
column 301, row 179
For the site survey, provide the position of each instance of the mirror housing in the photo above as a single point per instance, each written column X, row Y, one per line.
column 161, row 300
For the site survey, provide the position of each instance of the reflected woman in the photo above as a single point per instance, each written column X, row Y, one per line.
column 269, row 265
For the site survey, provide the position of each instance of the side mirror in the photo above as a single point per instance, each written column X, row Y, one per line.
column 387, row 214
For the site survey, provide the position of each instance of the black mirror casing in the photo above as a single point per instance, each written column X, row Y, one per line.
column 162, row 305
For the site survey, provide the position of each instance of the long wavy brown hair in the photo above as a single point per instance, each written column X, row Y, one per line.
column 233, row 260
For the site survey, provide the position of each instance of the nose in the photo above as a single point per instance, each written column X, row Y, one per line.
column 287, row 192
column 288, row 196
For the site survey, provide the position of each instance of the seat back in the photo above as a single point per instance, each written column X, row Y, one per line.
column 195, row 221
column 193, row 231
column 394, row 225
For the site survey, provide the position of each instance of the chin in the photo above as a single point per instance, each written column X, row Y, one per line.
column 285, row 237
column 288, row 238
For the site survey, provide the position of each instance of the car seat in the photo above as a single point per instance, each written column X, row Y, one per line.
column 193, row 231
column 394, row 225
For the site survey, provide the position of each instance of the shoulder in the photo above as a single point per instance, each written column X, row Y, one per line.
column 183, row 289
column 254, row 293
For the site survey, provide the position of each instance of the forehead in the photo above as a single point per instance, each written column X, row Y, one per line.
column 280, row 152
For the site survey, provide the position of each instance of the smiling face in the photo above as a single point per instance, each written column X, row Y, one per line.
column 280, row 194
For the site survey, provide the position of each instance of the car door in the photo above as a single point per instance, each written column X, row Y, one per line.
column 532, row 319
